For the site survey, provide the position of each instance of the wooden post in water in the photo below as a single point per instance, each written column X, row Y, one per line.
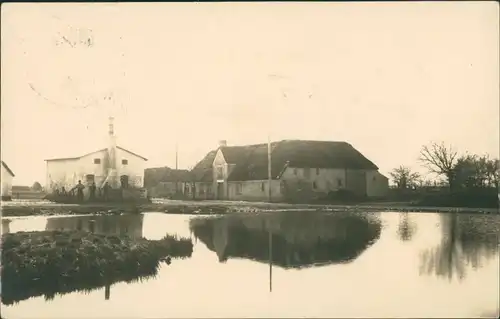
column 107, row 292
column 270, row 257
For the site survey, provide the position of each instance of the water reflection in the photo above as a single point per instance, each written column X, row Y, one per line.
column 406, row 228
column 465, row 241
column 70, row 262
column 296, row 239
column 119, row 225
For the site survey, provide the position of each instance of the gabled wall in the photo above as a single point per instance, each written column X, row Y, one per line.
column 6, row 181
column 220, row 172
column 377, row 184
column 67, row 172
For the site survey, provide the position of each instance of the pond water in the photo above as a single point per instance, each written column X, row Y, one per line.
column 293, row 264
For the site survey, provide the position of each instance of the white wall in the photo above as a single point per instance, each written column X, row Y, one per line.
column 67, row 172
column 255, row 190
column 6, row 182
column 326, row 179
column 60, row 173
column 134, row 169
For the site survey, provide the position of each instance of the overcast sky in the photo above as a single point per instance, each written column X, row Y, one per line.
column 385, row 77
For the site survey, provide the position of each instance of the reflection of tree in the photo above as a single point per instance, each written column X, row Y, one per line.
column 128, row 224
column 466, row 241
column 406, row 229
column 299, row 239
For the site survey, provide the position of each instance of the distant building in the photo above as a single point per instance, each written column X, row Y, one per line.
column 165, row 182
column 7, row 177
column 307, row 169
column 26, row 192
column 202, row 176
column 116, row 165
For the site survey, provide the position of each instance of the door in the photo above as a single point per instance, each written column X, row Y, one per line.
column 124, row 181
column 89, row 179
column 220, row 190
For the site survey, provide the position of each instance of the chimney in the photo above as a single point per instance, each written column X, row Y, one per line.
column 222, row 143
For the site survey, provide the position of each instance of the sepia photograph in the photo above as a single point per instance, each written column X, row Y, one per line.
column 250, row 160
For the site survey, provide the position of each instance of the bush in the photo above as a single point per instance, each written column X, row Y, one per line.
column 470, row 197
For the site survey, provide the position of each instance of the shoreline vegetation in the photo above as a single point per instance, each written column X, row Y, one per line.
column 216, row 207
column 50, row 263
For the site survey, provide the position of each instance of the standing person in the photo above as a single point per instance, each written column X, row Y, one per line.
column 79, row 191
column 92, row 191
column 105, row 191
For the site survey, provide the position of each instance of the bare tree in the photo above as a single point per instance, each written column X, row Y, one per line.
column 403, row 177
column 439, row 159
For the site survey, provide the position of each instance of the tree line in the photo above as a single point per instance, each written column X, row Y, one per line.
column 459, row 171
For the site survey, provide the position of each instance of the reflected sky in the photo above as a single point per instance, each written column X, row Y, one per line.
column 384, row 280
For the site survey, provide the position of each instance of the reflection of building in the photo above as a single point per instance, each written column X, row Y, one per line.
column 111, row 163
column 120, row 225
column 305, row 169
column 6, row 226
column 298, row 239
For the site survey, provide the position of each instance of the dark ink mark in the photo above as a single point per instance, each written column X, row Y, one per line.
column 68, row 42
column 56, row 103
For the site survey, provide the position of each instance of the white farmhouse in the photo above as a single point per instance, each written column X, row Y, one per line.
column 7, row 176
column 116, row 165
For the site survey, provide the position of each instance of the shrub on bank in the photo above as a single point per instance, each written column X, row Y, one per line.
column 469, row 197
column 51, row 262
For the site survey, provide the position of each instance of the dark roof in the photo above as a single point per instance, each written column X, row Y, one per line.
column 153, row 176
column 8, row 169
column 99, row 150
column 252, row 159
column 202, row 171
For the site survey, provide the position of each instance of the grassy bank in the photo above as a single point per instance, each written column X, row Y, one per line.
column 54, row 262
column 223, row 207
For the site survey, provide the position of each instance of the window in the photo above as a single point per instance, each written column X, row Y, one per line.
column 239, row 188
column 374, row 178
column 339, row 182
column 315, row 186
column 97, row 161
column 124, row 161
column 262, row 187
column 317, row 171
column 295, row 171
column 219, row 173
